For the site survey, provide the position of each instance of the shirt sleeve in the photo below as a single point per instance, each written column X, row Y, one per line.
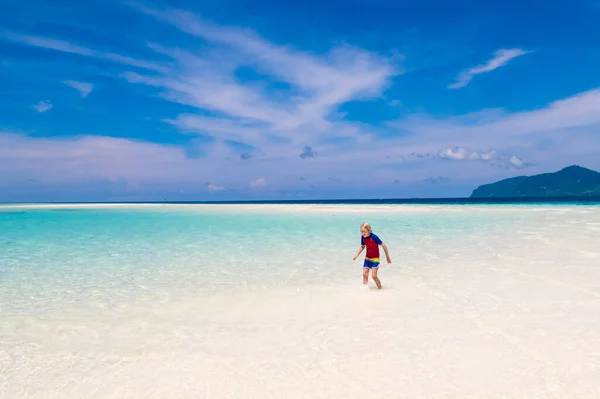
column 362, row 241
column 376, row 239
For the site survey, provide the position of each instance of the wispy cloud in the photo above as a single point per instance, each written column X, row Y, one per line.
column 259, row 183
column 346, row 73
column 495, row 126
column 314, row 86
column 437, row 180
column 68, row 47
column 215, row 188
column 501, row 58
column 43, row 106
column 83, row 88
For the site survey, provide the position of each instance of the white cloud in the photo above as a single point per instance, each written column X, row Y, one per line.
column 298, row 114
column 83, row 88
column 214, row 188
column 345, row 73
column 461, row 154
column 517, row 162
column 225, row 129
column 67, row 47
column 501, row 58
column 465, row 154
column 498, row 128
column 259, row 183
column 43, row 106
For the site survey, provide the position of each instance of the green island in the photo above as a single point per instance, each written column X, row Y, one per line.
column 570, row 181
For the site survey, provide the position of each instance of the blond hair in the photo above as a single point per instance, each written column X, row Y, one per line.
column 366, row 226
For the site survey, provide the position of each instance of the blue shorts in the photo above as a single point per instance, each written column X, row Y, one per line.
column 371, row 263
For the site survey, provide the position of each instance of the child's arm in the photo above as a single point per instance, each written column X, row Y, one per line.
column 387, row 254
column 359, row 251
column 385, row 248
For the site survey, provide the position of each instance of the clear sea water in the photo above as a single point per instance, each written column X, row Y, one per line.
column 131, row 301
column 107, row 253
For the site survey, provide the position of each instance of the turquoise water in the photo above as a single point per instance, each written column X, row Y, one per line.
column 76, row 253
column 108, row 254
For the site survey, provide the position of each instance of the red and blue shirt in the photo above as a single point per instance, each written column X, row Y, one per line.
column 372, row 242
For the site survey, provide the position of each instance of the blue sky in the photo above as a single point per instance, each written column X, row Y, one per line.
column 135, row 100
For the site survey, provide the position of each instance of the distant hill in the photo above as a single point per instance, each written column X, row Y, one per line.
column 570, row 181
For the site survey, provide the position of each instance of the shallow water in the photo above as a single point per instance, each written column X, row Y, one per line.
column 265, row 301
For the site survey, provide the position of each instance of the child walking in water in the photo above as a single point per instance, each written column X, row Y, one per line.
column 372, row 242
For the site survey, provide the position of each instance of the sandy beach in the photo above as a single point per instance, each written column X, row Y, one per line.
column 485, row 304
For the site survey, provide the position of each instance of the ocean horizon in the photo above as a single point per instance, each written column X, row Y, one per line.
column 418, row 200
column 143, row 300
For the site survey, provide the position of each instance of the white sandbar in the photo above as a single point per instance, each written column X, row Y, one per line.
column 513, row 313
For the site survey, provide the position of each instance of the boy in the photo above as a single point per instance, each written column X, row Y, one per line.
column 372, row 242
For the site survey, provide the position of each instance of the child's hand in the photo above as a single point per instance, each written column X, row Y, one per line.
column 354, row 258
column 389, row 260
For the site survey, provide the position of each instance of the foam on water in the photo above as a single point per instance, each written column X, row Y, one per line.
column 265, row 301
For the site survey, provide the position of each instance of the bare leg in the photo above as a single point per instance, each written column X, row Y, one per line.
column 375, row 278
column 365, row 275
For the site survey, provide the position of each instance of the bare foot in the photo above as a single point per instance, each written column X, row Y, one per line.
column 377, row 282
